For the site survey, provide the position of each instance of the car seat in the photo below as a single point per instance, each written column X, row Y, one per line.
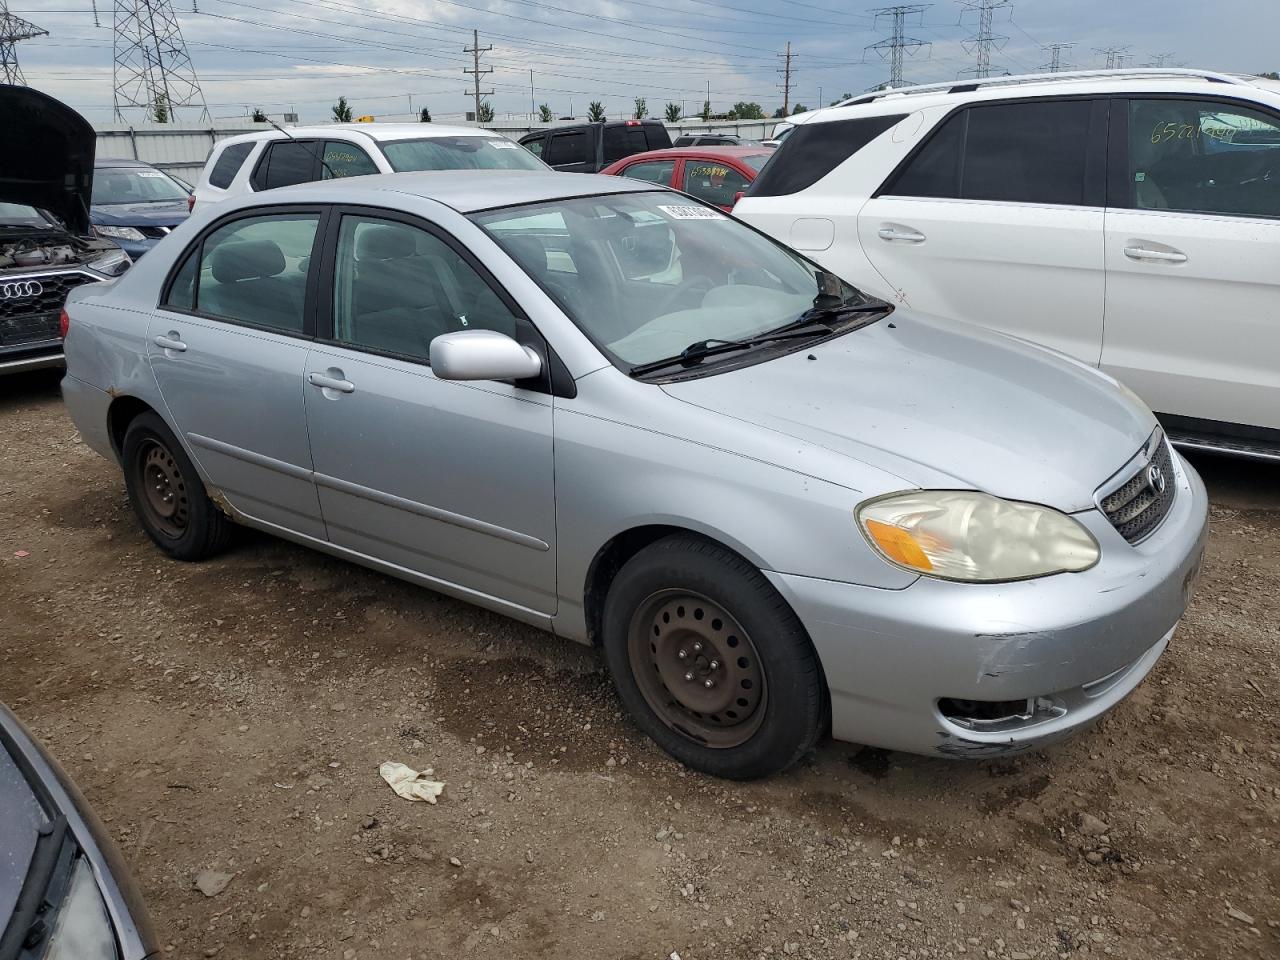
column 248, row 285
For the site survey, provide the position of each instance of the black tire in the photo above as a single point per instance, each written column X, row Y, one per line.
column 684, row 592
column 167, row 495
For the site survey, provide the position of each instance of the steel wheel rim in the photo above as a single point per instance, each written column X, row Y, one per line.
column 697, row 668
column 164, row 492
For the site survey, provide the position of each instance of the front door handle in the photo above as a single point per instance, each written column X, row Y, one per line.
column 901, row 235
column 331, row 380
column 1163, row 256
column 171, row 341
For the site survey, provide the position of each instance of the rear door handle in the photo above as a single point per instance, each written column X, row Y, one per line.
column 1164, row 256
column 333, row 380
column 901, row 235
column 171, row 341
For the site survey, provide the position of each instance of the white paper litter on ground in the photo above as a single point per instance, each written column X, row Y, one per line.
column 409, row 783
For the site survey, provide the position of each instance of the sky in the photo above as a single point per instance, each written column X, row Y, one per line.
column 391, row 57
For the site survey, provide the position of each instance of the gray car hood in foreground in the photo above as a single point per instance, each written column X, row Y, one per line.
column 943, row 405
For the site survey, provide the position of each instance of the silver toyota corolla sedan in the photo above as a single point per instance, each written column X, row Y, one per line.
column 610, row 411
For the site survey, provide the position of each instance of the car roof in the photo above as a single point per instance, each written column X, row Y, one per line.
column 1083, row 82
column 119, row 162
column 466, row 191
column 726, row 152
column 379, row 132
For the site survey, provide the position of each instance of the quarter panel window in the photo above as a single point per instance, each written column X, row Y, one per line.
column 254, row 271
column 398, row 287
column 568, row 148
column 1204, row 157
column 651, row 171
column 814, row 150
column 342, row 159
column 713, row 182
column 229, row 163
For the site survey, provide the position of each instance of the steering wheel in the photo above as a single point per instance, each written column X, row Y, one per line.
column 686, row 289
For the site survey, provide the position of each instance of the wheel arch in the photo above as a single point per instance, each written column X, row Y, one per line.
column 122, row 411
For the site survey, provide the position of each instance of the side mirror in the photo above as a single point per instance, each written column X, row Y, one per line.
column 482, row 355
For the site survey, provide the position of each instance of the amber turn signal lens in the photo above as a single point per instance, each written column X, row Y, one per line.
column 898, row 545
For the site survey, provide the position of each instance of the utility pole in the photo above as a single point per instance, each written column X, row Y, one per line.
column 533, row 110
column 1056, row 62
column 898, row 44
column 151, row 64
column 1116, row 56
column 13, row 29
column 476, row 71
column 786, row 80
column 982, row 41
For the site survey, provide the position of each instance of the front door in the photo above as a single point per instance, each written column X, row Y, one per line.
column 228, row 348
column 997, row 220
column 1193, row 264
column 450, row 480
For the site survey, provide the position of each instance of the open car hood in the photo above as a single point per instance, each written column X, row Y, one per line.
column 51, row 166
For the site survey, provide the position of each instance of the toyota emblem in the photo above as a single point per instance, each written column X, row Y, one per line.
column 20, row 289
column 1155, row 479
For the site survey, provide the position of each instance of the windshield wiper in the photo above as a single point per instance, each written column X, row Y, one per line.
column 25, row 928
column 696, row 352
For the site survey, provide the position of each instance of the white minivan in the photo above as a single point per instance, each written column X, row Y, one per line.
column 1129, row 218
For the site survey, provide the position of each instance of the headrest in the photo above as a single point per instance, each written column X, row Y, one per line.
column 246, row 260
column 385, row 243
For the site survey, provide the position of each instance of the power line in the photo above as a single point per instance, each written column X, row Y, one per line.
column 1161, row 59
column 476, row 70
column 898, row 44
column 13, row 29
column 152, row 68
column 1056, row 63
column 1116, row 56
column 982, row 41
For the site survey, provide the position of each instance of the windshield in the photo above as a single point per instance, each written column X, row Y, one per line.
column 20, row 215
column 134, row 185
column 459, row 153
column 647, row 274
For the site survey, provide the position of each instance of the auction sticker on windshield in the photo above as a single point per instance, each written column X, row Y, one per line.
column 689, row 212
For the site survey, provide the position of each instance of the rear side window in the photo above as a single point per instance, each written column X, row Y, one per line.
column 343, row 159
column 287, row 162
column 568, row 148
column 815, row 149
column 1007, row 153
column 623, row 141
column 229, row 163
column 651, row 171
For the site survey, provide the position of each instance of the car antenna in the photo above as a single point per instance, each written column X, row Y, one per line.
column 327, row 169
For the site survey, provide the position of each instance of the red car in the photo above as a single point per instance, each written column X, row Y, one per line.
column 714, row 174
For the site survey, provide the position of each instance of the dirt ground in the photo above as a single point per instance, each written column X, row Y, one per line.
column 231, row 716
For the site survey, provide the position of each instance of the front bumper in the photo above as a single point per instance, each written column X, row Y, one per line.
column 1072, row 645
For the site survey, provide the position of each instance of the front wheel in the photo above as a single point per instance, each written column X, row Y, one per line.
column 710, row 660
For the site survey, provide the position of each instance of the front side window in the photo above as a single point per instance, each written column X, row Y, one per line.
column 652, row 171
column 569, row 148
column 287, row 162
column 1007, row 153
column 713, row 182
column 1203, row 156
column 397, row 287
column 112, row 185
column 458, row 153
column 228, row 164
column 252, row 271
column 647, row 274
column 343, row 159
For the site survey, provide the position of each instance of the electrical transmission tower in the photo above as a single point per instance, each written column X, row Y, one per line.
column 898, row 44
column 13, row 29
column 152, row 68
column 1057, row 63
column 1161, row 60
column 1116, row 56
column 982, row 41
column 476, row 70
column 787, row 73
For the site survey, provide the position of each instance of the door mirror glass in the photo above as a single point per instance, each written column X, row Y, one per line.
column 482, row 355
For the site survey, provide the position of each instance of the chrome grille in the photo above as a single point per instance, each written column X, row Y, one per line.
column 1138, row 505
column 33, row 319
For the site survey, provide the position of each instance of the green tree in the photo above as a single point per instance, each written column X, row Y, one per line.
column 798, row 108
column 544, row 114
column 486, row 112
column 843, row 96
column 673, row 112
column 706, row 110
column 1271, row 75
column 342, row 111
column 747, row 111
column 259, row 116
column 642, row 108
column 595, row 112
column 424, row 115
column 160, row 109
column 779, row 113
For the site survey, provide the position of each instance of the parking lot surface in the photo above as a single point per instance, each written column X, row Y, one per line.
column 230, row 717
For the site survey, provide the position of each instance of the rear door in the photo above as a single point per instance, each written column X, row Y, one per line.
column 997, row 219
column 1193, row 262
column 713, row 180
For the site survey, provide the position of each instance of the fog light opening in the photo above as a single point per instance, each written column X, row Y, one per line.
column 999, row 714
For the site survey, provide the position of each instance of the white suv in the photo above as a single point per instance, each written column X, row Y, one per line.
column 1129, row 218
column 278, row 158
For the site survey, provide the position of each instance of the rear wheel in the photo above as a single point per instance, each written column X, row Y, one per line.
column 167, row 494
column 710, row 660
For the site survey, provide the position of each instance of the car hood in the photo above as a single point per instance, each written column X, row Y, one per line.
column 943, row 404
column 53, row 167
column 159, row 213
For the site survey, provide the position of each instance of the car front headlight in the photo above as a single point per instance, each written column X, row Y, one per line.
column 975, row 537
column 113, row 263
column 119, row 233
column 82, row 930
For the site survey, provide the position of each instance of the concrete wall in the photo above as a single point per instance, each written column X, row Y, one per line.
column 181, row 148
